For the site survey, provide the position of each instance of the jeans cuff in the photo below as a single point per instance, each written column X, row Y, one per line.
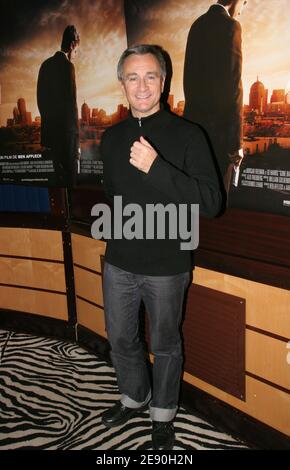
column 162, row 414
column 129, row 403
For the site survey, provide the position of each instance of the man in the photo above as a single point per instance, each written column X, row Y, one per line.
column 151, row 157
column 57, row 103
column 212, row 82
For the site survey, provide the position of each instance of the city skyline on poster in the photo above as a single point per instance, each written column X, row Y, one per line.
column 264, row 54
column 38, row 29
column 103, row 39
column 264, row 182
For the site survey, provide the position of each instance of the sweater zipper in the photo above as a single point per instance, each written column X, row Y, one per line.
column 139, row 122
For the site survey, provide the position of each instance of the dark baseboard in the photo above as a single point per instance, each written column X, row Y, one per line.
column 252, row 432
column 36, row 325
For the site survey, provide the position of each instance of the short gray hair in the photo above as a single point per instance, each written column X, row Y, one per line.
column 142, row 49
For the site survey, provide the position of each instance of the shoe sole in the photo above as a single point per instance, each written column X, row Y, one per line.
column 169, row 447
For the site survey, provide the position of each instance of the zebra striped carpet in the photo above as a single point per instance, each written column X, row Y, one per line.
column 52, row 395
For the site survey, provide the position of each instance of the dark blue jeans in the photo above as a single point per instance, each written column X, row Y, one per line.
column 163, row 298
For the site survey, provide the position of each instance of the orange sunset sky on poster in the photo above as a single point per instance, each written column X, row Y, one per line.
column 102, row 31
column 266, row 39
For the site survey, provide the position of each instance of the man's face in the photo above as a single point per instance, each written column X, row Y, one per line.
column 142, row 84
column 237, row 7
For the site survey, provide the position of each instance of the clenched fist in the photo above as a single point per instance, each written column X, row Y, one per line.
column 142, row 155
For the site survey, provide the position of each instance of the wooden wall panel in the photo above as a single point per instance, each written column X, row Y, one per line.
column 88, row 285
column 258, row 236
column 31, row 243
column 87, row 251
column 267, row 358
column 263, row 402
column 267, row 307
column 39, row 274
column 91, row 317
column 31, row 301
column 269, row 405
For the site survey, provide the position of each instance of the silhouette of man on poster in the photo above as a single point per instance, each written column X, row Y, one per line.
column 212, row 83
column 57, row 103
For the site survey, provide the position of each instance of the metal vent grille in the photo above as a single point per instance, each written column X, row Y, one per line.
column 214, row 339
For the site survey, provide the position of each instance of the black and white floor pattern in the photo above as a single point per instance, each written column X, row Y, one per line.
column 53, row 393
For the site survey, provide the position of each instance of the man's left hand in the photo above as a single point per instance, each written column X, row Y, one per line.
column 142, row 155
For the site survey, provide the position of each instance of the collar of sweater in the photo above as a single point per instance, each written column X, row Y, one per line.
column 148, row 119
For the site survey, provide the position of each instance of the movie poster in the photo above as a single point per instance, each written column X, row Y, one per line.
column 264, row 177
column 31, row 32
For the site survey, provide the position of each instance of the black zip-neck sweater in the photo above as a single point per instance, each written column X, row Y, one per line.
column 182, row 173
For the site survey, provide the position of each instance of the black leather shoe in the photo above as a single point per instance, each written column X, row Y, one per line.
column 163, row 435
column 119, row 414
